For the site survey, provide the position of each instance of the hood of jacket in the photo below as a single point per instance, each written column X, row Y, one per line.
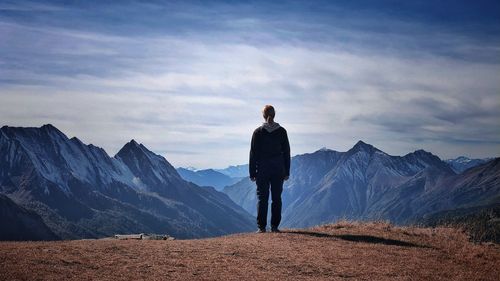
column 270, row 127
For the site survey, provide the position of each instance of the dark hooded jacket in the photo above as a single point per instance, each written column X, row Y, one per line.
column 269, row 151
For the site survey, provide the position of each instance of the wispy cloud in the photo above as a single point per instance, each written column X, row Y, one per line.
column 189, row 80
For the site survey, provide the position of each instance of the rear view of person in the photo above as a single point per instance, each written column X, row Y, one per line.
column 269, row 166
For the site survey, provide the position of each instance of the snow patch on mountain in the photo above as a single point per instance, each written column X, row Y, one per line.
column 462, row 163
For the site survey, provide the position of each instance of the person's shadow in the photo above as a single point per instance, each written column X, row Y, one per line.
column 358, row 238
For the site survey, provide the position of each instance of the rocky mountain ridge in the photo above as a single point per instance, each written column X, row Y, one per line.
column 365, row 183
column 81, row 192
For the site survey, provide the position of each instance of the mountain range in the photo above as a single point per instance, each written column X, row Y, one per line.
column 365, row 183
column 236, row 171
column 66, row 190
column 53, row 187
column 207, row 177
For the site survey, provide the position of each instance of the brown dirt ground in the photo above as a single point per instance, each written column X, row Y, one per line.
column 370, row 251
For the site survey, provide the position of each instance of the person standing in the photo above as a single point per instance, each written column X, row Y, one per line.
column 269, row 167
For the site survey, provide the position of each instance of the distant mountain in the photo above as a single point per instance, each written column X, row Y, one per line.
column 432, row 191
column 480, row 216
column 463, row 163
column 81, row 192
column 238, row 171
column 244, row 194
column 208, row 177
column 191, row 168
column 366, row 183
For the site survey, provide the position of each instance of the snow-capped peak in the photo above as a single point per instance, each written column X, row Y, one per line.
column 460, row 159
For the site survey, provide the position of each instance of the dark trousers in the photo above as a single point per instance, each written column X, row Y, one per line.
column 276, row 183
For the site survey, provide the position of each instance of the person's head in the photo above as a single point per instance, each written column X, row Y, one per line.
column 268, row 113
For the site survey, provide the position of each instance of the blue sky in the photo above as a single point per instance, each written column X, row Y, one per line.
column 189, row 78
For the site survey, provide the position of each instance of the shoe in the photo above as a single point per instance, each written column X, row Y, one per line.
column 261, row 230
column 275, row 229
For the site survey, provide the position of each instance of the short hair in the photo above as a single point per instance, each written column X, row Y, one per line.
column 268, row 110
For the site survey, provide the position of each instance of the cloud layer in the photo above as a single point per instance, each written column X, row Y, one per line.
column 188, row 80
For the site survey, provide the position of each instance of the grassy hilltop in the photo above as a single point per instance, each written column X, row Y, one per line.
column 359, row 251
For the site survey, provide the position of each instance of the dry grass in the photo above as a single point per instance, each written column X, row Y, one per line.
column 346, row 250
